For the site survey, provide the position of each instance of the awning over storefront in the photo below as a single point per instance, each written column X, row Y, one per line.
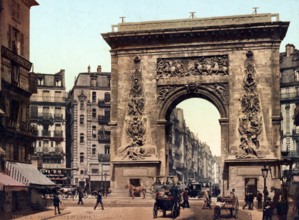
column 9, row 184
column 28, row 175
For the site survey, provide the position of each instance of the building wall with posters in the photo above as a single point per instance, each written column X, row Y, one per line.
column 88, row 133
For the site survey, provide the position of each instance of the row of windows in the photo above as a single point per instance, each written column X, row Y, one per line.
column 94, row 99
column 93, row 115
column 94, row 152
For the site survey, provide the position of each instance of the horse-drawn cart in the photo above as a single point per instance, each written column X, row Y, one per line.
column 166, row 203
column 226, row 203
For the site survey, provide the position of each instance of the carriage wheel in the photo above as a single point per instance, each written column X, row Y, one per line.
column 155, row 210
column 217, row 212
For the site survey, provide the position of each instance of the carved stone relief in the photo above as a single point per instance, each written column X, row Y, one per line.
column 250, row 122
column 197, row 66
column 135, row 121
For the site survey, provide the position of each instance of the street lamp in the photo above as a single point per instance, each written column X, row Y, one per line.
column 265, row 174
column 105, row 176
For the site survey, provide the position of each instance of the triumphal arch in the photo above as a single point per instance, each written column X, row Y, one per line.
column 233, row 62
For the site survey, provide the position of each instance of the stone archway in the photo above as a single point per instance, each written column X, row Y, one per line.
column 234, row 65
column 217, row 94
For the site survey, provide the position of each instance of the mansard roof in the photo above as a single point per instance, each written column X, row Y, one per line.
column 84, row 79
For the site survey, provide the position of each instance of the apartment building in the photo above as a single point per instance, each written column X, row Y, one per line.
column 189, row 158
column 47, row 112
column 88, row 132
column 289, row 87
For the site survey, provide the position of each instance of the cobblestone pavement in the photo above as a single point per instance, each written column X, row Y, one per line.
column 138, row 209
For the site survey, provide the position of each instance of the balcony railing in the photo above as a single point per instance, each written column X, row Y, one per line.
column 58, row 116
column 46, row 133
column 21, row 127
column 104, row 137
column 104, row 120
column 293, row 154
column 104, row 157
column 295, row 132
column 57, row 133
column 289, row 96
column 103, row 104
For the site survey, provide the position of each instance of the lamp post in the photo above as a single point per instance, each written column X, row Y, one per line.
column 265, row 174
column 105, row 176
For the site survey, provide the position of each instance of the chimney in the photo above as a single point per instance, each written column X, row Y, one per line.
column 99, row 69
column 290, row 48
column 88, row 68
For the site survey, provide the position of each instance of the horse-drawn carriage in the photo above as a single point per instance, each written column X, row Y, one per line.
column 167, row 199
column 167, row 203
column 226, row 203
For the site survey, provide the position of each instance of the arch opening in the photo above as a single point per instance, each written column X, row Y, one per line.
column 193, row 141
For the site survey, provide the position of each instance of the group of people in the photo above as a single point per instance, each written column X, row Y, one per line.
column 281, row 208
column 57, row 201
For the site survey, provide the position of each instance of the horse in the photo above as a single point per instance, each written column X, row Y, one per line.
column 136, row 189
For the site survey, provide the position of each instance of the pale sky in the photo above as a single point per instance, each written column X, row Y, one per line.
column 66, row 34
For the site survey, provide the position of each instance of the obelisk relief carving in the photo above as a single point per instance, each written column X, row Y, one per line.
column 250, row 121
column 135, row 121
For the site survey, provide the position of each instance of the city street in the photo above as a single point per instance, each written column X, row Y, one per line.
column 125, row 208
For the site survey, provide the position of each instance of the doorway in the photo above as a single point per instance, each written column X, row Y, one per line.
column 251, row 186
column 136, row 183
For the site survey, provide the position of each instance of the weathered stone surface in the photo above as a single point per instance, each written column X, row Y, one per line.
column 169, row 74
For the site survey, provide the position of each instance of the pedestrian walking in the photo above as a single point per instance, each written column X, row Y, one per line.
column 282, row 208
column 207, row 200
column 250, row 200
column 259, row 198
column 185, row 198
column 268, row 210
column 56, row 203
column 80, row 195
column 246, row 200
column 99, row 200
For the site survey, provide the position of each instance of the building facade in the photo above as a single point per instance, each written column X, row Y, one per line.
column 189, row 158
column 289, row 70
column 88, row 132
column 47, row 112
column 16, row 86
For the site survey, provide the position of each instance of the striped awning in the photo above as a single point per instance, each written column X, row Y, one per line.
column 27, row 174
column 9, row 184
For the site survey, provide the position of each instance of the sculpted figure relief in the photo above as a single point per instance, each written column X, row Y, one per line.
column 173, row 67
column 250, row 123
column 135, row 129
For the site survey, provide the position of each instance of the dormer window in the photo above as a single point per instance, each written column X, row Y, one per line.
column 57, row 82
column 40, row 81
